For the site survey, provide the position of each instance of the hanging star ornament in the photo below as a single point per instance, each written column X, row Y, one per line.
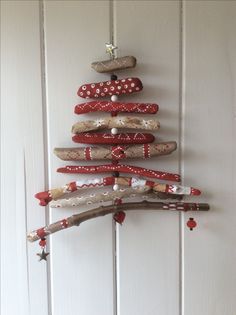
column 110, row 49
column 43, row 255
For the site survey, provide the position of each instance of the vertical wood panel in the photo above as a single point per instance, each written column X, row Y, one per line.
column 81, row 258
column 148, row 244
column 209, row 155
column 23, row 279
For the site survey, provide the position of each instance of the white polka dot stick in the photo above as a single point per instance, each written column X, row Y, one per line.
column 109, row 88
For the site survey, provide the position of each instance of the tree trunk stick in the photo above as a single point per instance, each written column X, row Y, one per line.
column 77, row 219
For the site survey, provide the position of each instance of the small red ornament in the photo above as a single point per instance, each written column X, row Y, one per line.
column 119, row 217
column 42, row 242
column 191, row 224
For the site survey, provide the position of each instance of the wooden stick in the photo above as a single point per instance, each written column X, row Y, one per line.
column 99, row 197
column 116, row 107
column 77, row 219
column 117, row 153
column 46, row 196
column 114, row 64
column 120, row 193
column 109, row 138
column 126, row 122
column 129, row 169
column 109, row 88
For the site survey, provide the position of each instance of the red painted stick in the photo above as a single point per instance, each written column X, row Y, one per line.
column 108, row 138
column 108, row 88
column 116, row 107
column 119, row 168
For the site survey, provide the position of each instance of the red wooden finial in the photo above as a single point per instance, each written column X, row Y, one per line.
column 191, row 224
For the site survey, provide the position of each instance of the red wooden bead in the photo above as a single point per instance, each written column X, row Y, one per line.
column 195, row 192
column 119, row 217
column 42, row 242
column 191, row 223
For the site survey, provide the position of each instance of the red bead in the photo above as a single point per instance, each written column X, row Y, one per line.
column 191, row 223
column 119, row 217
column 42, row 242
column 195, row 192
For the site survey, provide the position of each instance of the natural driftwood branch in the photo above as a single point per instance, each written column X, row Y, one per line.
column 117, row 153
column 129, row 169
column 77, row 219
column 144, row 192
column 114, row 64
column 46, row 196
column 99, row 197
column 126, row 122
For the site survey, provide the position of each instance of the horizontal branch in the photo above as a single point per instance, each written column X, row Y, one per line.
column 167, row 189
column 77, row 219
column 144, row 151
column 124, row 122
column 128, row 169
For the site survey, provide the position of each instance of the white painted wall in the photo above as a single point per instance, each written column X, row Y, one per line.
column 186, row 61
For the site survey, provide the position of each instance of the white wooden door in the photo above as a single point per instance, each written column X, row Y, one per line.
column 152, row 264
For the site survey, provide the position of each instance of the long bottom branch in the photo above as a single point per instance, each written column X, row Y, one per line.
column 76, row 219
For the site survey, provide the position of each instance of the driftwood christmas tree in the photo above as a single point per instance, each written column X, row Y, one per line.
column 109, row 139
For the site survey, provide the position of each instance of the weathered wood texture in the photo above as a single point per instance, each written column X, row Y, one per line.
column 186, row 61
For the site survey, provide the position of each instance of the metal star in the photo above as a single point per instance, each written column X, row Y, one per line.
column 43, row 255
column 110, row 48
